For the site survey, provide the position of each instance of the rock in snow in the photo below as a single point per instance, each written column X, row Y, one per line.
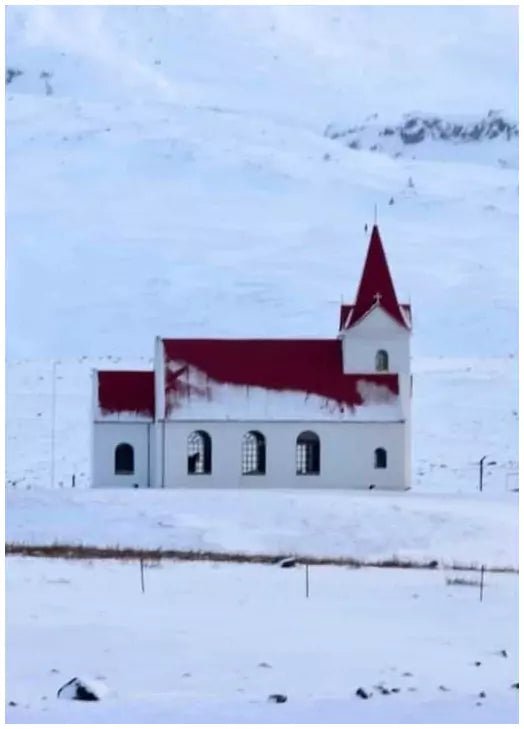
column 287, row 562
column 80, row 689
column 362, row 693
column 277, row 698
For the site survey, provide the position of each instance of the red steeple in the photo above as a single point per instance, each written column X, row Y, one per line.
column 376, row 285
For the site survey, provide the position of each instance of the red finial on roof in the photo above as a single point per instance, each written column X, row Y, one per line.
column 376, row 285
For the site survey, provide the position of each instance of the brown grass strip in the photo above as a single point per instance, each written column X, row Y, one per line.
column 125, row 554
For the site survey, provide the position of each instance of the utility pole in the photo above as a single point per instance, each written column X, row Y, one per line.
column 53, row 423
column 481, row 470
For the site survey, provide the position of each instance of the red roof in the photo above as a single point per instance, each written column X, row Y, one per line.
column 311, row 366
column 126, row 392
column 345, row 309
column 376, row 285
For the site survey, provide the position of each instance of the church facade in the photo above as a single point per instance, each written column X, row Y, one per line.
column 267, row 413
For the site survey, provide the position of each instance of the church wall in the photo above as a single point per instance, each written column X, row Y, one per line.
column 106, row 437
column 347, row 455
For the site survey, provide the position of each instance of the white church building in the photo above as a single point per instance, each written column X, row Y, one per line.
column 267, row 413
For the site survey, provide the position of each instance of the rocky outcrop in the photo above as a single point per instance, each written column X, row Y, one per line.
column 416, row 128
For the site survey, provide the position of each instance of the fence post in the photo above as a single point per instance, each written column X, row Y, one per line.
column 481, row 582
column 307, row 579
column 142, row 575
column 73, row 480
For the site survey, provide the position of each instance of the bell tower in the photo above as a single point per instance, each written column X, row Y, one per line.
column 376, row 330
column 375, row 334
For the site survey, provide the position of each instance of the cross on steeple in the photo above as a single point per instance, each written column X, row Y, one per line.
column 377, row 297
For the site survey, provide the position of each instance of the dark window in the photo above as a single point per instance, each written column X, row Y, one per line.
column 308, row 453
column 381, row 361
column 253, row 454
column 381, row 458
column 124, row 460
column 199, row 452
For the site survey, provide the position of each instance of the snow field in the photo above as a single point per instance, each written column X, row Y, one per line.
column 469, row 530
column 194, row 645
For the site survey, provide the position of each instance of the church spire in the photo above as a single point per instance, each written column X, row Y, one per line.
column 376, row 285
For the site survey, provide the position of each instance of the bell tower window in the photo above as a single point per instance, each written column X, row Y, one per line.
column 381, row 361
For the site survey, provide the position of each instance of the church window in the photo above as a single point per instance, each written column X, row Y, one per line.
column 308, row 453
column 381, row 361
column 253, row 454
column 199, row 452
column 381, row 458
column 124, row 460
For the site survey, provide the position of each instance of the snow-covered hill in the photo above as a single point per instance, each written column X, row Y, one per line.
column 167, row 166
column 169, row 173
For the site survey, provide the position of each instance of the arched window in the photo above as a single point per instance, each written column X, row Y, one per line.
column 308, row 453
column 381, row 361
column 253, row 454
column 199, row 452
column 381, row 458
column 124, row 460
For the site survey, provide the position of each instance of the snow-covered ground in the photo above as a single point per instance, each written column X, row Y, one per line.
column 473, row 530
column 210, row 643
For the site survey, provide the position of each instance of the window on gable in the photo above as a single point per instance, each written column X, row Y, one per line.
column 381, row 361
column 381, row 458
column 308, row 454
column 199, row 452
column 124, row 460
column 253, row 454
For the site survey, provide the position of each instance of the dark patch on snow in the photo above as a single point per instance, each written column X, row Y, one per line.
column 11, row 74
column 362, row 693
column 515, row 685
column 277, row 698
column 263, row 664
column 416, row 128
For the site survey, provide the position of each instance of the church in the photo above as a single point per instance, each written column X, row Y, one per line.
column 267, row 413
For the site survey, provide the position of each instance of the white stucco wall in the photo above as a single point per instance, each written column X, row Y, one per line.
column 346, row 459
column 106, row 437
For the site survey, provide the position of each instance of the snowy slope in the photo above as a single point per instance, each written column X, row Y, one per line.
column 210, row 643
column 178, row 176
column 472, row 529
